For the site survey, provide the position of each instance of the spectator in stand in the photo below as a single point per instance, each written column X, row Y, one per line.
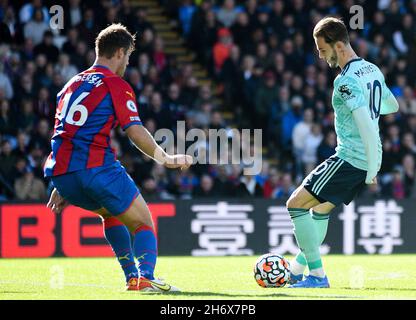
column 266, row 97
column 300, row 131
column 73, row 13
column 186, row 10
column 149, row 190
column 408, row 165
column 248, row 188
column 263, row 21
column 202, row 21
column 47, row 48
column 9, row 28
column 44, row 71
column 285, row 189
column 7, row 119
column 202, row 117
column 240, row 30
column 145, row 44
column 263, row 56
column 140, row 22
column 29, row 187
column 228, row 13
column 290, row 119
column 396, row 188
column 6, row 87
column 229, row 72
column 160, row 114
column 27, row 118
column 7, row 160
column 190, row 90
column 205, row 189
column 144, row 99
column 408, row 144
column 221, row 50
column 267, row 36
column 159, row 56
column 327, row 146
column 22, row 145
column 204, row 96
column 88, row 28
column 36, row 27
column 180, row 186
column 28, row 10
column 248, row 84
column 271, row 183
column 309, row 157
column 175, row 104
column 43, row 106
column 41, row 137
column 217, row 121
column 65, row 68
column 70, row 44
column 135, row 80
column 222, row 184
column 407, row 102
column 26, row 88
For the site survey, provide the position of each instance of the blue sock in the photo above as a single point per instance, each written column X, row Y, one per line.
column 145, row 250
column 118, row 237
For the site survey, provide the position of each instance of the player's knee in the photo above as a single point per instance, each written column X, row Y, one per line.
column 135, row 227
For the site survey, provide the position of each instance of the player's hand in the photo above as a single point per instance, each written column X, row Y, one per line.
column 182, row 161
column 368, row 180
column 56, row 202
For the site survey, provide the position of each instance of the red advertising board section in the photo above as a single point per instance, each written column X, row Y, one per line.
column 211, row 227
column 32, row 230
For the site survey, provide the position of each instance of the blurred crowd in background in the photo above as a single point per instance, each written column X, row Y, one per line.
column 266, row 74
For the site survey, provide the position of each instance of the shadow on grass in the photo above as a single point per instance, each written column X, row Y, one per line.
column 185, row 294
column 379, row 288
column 19, row 292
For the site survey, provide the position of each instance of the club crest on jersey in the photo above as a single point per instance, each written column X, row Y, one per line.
column 346, row 92
column 131, row 105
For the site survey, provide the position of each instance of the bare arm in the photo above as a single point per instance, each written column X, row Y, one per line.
column 144, row 141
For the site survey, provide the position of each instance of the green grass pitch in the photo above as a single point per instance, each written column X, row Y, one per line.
column 210, row 278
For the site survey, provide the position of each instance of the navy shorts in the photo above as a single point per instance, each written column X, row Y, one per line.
column 335, row 181
column 110, row 187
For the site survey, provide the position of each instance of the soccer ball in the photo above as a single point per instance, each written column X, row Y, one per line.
column 271, row 271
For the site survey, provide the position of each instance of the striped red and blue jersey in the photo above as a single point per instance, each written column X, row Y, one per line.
column 89, row 106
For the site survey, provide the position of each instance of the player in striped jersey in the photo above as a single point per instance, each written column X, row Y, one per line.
column 83, row 166
column 359, row 97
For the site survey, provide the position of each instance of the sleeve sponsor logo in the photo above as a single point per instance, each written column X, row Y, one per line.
column 345, row 92
column 131, row 105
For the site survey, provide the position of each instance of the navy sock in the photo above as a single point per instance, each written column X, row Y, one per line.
column 118, row 237
column 145, row 250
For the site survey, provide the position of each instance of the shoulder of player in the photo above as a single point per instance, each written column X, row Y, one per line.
column 345, row 80
column 350, row 75
column 116, row 80
column 351, row 67
column 119, row 83
column 361, row 69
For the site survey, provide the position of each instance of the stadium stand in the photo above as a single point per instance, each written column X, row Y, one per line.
column 215, row 64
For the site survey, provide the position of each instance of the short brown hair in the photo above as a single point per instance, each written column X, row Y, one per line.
column 112, row 38
column 332, row 30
